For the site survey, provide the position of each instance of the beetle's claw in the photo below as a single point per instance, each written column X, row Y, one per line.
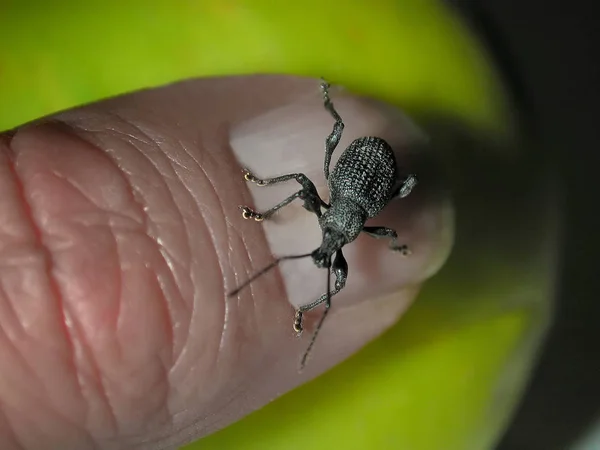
column 404, row 250
column 249, row 176
column 325, row 87
column 248, row 213
column 298, row 319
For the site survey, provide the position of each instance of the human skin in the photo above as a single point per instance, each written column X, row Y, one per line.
column 120, row 236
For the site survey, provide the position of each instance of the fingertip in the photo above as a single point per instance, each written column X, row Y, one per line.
column 279, row 126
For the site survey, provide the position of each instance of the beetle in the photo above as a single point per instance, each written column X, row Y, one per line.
column 364, row 180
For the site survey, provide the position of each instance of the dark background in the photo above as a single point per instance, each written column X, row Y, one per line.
column 548, row 54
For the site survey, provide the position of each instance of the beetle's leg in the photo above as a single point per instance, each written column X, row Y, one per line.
column 308, row 193
column 338, row 127
column 299, row 177
column 302, row 179
column 383, row 232
column 406, row 187
column 340, row 269
column 309, row 204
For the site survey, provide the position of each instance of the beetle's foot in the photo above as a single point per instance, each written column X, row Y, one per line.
column 325, row 89
column 248, row 213
column 408, row 185
column 403, row 250
column 298, row 319
column 248, row 176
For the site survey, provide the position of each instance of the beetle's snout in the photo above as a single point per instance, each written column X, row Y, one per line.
column 320, row 258
column 333, row 241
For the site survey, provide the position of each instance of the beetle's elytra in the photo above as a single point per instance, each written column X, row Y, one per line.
column 365, row 174
column 364, row 180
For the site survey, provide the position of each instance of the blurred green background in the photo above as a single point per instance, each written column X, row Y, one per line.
column 448, row 376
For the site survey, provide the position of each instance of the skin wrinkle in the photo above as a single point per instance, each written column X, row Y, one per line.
column 174, row 163
column 137, row 440
column 160, row 247
column 106, row 382
column 32, row 425
column 19, row 332
column 36, row 235
column 157, row 241
column 142, row 442
column 38, row 242
column 162, row 362
column 251, row 289
column 97, row 376
column 216, row 417
column 181, row 145
column 37, row 399
column 214, row 189
column 86, row 134
column 46, row 411
column 12, row 439
column 120, row 120
column 184, row 221
column 168, row 258
column 121, row 285
column 199, row 209
column 11, row 428
column 17, row 354
column 215, row 249
column 213, row 243
column 205, row 214
column 232, row 397
column 226, row 310
column 189, row 192
column 224, row 136
column 105, row 389
column 118, row 317
column 212, row 419
column 248, row 263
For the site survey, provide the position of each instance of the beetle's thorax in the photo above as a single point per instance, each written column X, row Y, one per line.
column 340, row 224
column 345, row 217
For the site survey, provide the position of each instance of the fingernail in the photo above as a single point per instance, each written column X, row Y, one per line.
column 291, row 139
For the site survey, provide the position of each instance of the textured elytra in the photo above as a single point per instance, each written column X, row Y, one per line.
column 365, row 174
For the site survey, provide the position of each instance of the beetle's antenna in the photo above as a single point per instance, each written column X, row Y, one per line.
column 265, row 270
column 320, row 324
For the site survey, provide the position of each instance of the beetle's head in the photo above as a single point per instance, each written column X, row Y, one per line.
column 333, row 240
